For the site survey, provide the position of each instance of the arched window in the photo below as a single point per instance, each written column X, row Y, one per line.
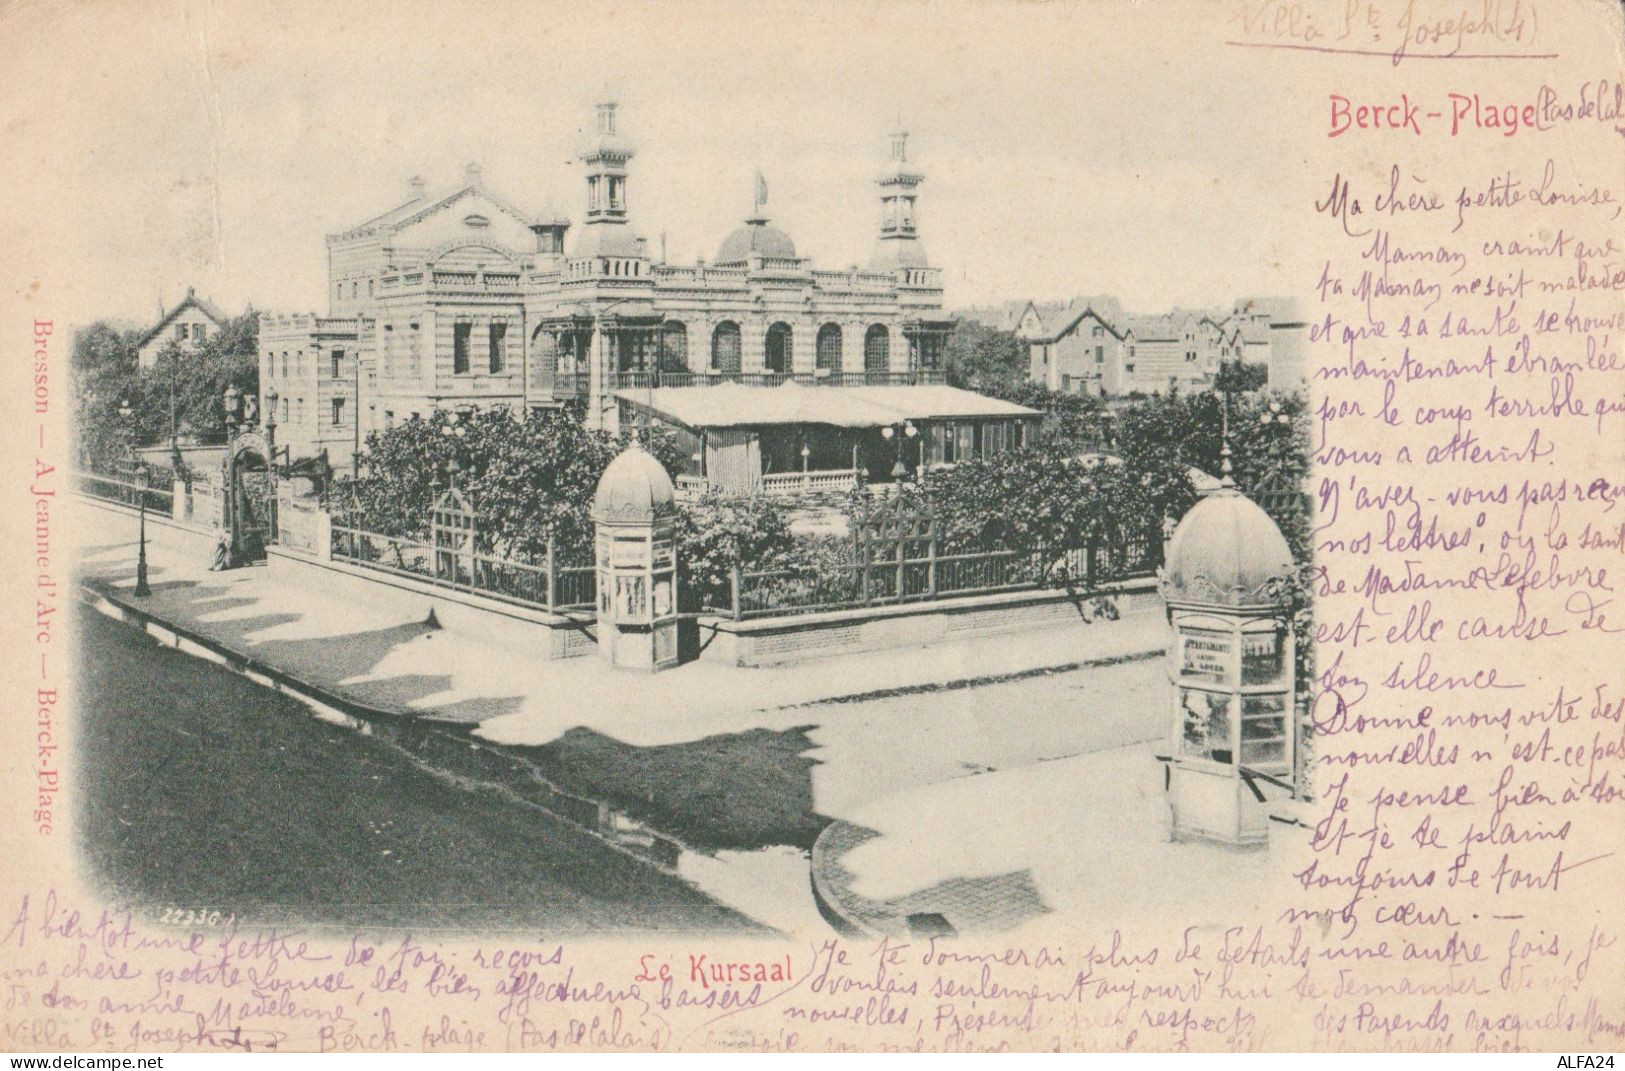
column 829, row 347
column 877, row 349
column 778, row 348
column 673, row 346
column 725, row 347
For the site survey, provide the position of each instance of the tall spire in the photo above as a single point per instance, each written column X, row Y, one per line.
column 898, row 245
column 606, row 157
column 899, row 143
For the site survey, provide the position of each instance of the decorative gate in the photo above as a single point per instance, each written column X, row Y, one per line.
column 896, row 551
column 248, row 497
column 452, row 534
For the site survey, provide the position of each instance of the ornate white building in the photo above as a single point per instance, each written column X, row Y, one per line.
column 459, row 298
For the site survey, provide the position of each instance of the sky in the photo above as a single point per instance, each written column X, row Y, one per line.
column 1068, row 147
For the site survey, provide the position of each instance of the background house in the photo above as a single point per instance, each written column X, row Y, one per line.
column 187, row 325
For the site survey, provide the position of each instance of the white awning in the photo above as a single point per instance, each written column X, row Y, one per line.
column 732, row 405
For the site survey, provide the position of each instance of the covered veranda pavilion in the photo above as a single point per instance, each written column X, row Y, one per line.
column 792, row 439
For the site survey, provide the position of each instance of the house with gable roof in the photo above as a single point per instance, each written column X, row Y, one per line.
column 187, row 325
column 1082, row 353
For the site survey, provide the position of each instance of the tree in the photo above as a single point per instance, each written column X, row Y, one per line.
column 535, row 478
column 1039, row 498
column 199, row 377
column 530, row 480
column 1073, row 423
column 104, row 380
column 1240, row 377
column 107, row 378
column 102, row 350
column 982, row 358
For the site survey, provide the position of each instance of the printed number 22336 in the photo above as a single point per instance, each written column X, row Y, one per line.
column 177, row 916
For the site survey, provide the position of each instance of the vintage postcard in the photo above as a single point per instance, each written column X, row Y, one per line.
column 803, row 526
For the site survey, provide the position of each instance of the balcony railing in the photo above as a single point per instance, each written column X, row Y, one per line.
column 644, row 380
column 571, row 384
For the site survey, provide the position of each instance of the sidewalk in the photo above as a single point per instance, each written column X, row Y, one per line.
column 1084, row 838
column 748, row 765
column 385, row 659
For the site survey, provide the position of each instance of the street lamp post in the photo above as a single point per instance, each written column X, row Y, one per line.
column 355, row 418
column 233, row 409
column 455, row 432
column 142, row 589
column 174, row 436
column 909, row 431
column 270, row 426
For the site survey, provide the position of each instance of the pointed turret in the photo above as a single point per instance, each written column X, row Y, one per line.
column 605, row 232
column 898, row 245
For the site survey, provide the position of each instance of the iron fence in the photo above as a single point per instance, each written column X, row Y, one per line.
column 913, row 575
column 543, row 585
column 123, row 492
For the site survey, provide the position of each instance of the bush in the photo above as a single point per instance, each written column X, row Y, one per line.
column 529, row 480
column 717, row 533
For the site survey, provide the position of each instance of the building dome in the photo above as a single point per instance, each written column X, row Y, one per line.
column 756, row 238
column 1225, row 552
column 634, row 489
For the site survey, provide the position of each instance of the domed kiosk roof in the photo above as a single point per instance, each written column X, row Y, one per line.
column 756, row 238
column 634, row 489
column 1224, row 552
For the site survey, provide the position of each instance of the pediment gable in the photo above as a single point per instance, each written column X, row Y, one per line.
column 472, row 216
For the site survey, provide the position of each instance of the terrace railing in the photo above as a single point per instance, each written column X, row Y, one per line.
column 788, row 484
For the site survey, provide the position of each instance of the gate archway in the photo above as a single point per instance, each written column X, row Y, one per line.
column 248, row 497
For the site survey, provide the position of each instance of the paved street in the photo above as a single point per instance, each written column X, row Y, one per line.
column 203, row 790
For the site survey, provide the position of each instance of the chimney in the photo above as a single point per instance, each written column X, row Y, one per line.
column 414, row 186
column 471, row 174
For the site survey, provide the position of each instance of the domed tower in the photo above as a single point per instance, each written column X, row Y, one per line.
column 605, row 232
column 549, row 227
column 898, row 245
column 755, row 237
column 1232, row 731
column 634, row 512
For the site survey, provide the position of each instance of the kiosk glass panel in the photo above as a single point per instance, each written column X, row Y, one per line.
column 1206, row 725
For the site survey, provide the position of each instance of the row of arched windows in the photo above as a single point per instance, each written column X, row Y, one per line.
column 727, row 347
column 778, row 347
